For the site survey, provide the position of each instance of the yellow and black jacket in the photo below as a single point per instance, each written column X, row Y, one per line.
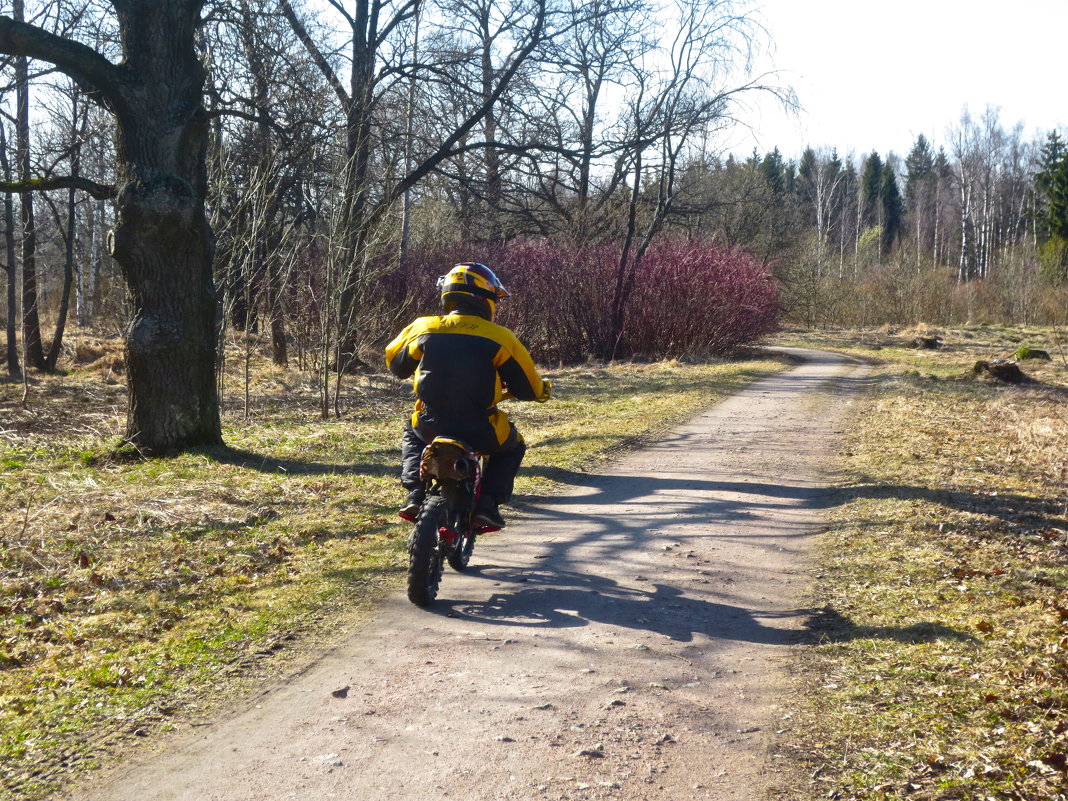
column 463, row 365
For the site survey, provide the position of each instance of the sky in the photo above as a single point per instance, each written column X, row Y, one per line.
column 873, row 75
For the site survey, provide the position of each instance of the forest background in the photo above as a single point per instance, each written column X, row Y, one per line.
column 354, row 151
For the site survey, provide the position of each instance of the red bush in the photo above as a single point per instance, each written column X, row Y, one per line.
column 689, row 298
column 693, row 298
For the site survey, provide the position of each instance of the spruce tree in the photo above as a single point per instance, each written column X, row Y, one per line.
column 871, row 185
column 1051, row 182
column 893, row 209
column 919, row 168
column 921, row 191
column 774, row 169
column 806, row 185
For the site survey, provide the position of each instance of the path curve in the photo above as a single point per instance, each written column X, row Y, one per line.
column 625, row 641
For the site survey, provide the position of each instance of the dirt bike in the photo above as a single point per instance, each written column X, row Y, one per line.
column 444, row 529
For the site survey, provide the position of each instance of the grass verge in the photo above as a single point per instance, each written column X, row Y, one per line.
column 136, row 595
column 940, row 669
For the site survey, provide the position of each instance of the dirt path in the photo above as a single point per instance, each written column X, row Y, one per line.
column 626, row 641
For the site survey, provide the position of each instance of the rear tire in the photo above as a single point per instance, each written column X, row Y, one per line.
column 460, row 557
column 424, row 556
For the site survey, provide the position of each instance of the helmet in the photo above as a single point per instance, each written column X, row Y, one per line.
column 468, row 282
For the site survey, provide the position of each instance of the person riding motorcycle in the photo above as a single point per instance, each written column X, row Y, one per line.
column 463, row 364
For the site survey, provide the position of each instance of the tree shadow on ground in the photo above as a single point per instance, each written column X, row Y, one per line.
column 1008, row 507
column 549, row 599
column 829, row 625
column 559, row 599
column 266, row 463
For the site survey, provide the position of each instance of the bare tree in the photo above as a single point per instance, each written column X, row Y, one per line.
column 380, row 70
column 31, row 318
column 674, row 108
column 72, row 123
column 12, row 347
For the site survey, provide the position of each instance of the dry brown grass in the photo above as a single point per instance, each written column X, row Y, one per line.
column 942, row 665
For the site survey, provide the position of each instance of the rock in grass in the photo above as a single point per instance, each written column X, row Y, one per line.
column 591, row 753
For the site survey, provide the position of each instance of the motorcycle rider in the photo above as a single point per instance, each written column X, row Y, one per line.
column 463, row 364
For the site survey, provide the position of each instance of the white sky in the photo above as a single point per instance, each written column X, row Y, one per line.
column 873, row 75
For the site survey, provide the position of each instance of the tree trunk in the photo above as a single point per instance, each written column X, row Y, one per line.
column 162, row 240
column 31, row 320
column 81, row 286
column 52, row 359
column 266, row 239
column 13, row 368
column 623, row 282
column 12, row 297
column 54, row 348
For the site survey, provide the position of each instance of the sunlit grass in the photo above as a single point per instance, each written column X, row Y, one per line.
column 942, row 668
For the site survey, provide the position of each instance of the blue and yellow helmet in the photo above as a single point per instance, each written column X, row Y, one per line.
column 474, row 280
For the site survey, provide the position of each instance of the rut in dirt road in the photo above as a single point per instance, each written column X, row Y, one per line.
column 625, row 641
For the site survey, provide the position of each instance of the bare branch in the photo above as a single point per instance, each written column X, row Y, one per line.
column 99, row 191
column 316, row 54
column 407, row 11
column 343, row 12
column 75, row 59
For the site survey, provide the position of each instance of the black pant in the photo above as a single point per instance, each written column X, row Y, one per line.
column 501, row 466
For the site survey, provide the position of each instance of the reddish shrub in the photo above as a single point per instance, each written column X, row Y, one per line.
column 693, row 298
column 689, row 297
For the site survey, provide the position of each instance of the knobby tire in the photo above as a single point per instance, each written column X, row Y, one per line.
column 424, row 558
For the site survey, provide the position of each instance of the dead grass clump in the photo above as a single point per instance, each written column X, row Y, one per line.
column 920, row 330
column 86, row 353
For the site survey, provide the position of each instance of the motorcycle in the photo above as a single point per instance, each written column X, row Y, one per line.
column 444, row 529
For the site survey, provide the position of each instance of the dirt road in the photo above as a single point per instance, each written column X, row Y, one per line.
column 626, row 641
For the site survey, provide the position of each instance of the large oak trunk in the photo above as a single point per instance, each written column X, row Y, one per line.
column 163, row 244
column 162, row 239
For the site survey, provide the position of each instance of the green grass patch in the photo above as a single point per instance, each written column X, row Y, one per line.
column 940, row 669
column 136, row 594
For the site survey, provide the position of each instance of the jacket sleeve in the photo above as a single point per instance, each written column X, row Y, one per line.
column 518, row 373
column 403, row 353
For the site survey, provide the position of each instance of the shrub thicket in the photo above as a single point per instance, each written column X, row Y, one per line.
column 686, row 298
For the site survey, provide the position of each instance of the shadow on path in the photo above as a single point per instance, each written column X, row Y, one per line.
column 550, row 600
